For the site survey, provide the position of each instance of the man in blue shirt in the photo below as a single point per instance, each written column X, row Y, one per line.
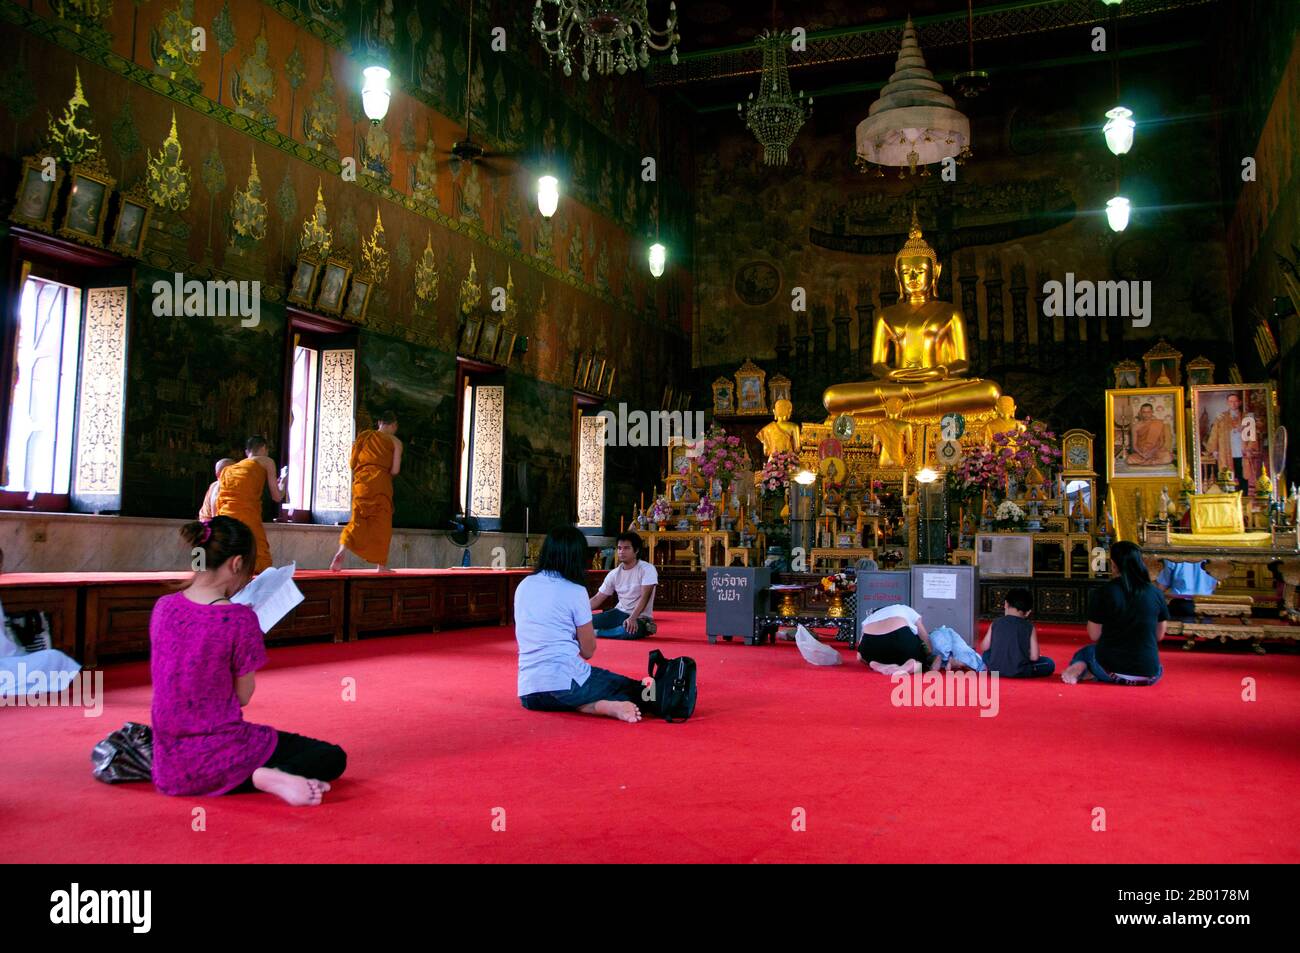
column 1180, row 582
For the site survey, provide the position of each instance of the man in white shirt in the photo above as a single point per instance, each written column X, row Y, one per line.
column 634, row 581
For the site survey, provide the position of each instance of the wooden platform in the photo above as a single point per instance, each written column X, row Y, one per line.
column 101, row 615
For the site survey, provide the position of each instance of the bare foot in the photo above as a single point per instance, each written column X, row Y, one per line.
column 623, row 711
column 937, row 663
column 910, row 667
column 337, row 562
column 1071, row 675
column 382, row 569
column 295, row 790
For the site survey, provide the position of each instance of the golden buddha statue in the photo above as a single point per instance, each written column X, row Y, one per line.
column 780, row 434
column 1005, row 422
column 894, row 434
column 927, row 338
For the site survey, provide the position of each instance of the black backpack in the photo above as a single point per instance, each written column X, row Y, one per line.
column 674, row 686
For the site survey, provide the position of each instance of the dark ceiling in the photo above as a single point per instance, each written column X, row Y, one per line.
column 852, row 43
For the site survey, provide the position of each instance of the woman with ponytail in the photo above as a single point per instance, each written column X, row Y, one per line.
column 204, row 650
column 1126, row 621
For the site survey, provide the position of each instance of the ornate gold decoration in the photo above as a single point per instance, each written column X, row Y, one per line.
column 172, row 44
column 1162, row 363
column 252, row 87
column 426, row 276
column 85, row 17
column 316, row 238
column 70, row 137
column 169, row 180
column 374, row 256
column 92, row 187
column 320, row 120
column 248, row 210
column 470, row 292
column 750, row 395
column 36, row 199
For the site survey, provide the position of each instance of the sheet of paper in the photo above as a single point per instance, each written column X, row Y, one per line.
column 272, row 595
column 937, row 585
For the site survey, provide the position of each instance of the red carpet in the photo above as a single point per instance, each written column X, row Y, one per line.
column 1185, row 771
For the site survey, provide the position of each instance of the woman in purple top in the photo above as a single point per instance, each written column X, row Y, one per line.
column 204, row 651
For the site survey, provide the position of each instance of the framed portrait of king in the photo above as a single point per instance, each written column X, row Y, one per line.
column 1144, row 434
column 1233, row 427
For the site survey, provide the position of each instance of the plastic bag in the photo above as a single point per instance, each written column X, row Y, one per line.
column 813, row 651
column 125, row 755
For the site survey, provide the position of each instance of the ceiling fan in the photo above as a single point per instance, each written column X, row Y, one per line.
column 469, row 149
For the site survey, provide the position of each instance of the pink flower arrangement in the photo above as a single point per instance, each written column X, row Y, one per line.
column 721, row 456
column 774, row 478
column 1010, row 456
column 660, row 511
column 706, row 510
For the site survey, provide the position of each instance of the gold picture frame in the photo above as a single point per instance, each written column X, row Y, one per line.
column 750, row 396
column 489, row 337
column 1209, row 403
column 302, row 284
column 87, row 209
column 609, row 381
column 506, row 346
column 469, row 333
column 597, row 376
column 724, row 396
column 333, row 286
column 1163, row 365
column 131, row 224
column 1200, row 372
column 358, row 300
column 778, row 388
column 1128, row 374
column 1136, row 447
column 37, row 199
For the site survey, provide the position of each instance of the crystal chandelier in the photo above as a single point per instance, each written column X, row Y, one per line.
column 776, row 115
column 615, row 34
column 913, row 123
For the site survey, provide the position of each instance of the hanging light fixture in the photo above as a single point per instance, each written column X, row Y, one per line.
column 1119, row 130
column 615, row 34
column 926, row 475
column 548, row 195
column 374, row 93
column 658, row 258
column 777, row 114
column 805, row 478
column 973, row 81
column 913, row 122
column 1117, row 210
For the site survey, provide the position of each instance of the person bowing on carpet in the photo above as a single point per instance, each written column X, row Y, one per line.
column 239, row 494
column 376, row 459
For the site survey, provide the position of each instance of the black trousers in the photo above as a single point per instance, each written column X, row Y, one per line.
column 893, row 648
column 305, row 757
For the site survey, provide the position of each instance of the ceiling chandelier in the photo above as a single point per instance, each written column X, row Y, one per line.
column 913, row 123
column 615, row 34
column 776, row 115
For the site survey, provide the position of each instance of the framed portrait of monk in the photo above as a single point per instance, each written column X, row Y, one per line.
column 1144, row 434
column 1232, row 429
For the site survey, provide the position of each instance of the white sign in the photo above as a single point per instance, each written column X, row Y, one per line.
column 935, row 585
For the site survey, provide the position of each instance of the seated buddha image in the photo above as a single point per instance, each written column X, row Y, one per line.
column 918, row 350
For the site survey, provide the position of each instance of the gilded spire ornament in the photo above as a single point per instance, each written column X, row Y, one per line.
column 470, row 292
column 374, row 256
column 316, row 237
column 426, row 277
column 169, row 180
column 248, row 211
column 174, row 47
column 70, row 137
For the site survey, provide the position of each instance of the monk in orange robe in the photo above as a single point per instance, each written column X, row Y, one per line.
column 239, row 493
column 209, row 507
column 376, row 459
column 1153, row 440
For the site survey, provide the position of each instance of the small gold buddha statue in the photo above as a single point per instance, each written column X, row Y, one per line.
column 894, row 434
column 918, row 350
column 1005, row 422
column 780, row 434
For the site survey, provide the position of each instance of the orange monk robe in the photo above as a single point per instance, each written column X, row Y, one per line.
column 370, row 530
column 209, row 507
column 239, row 496
column 1152, row 444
